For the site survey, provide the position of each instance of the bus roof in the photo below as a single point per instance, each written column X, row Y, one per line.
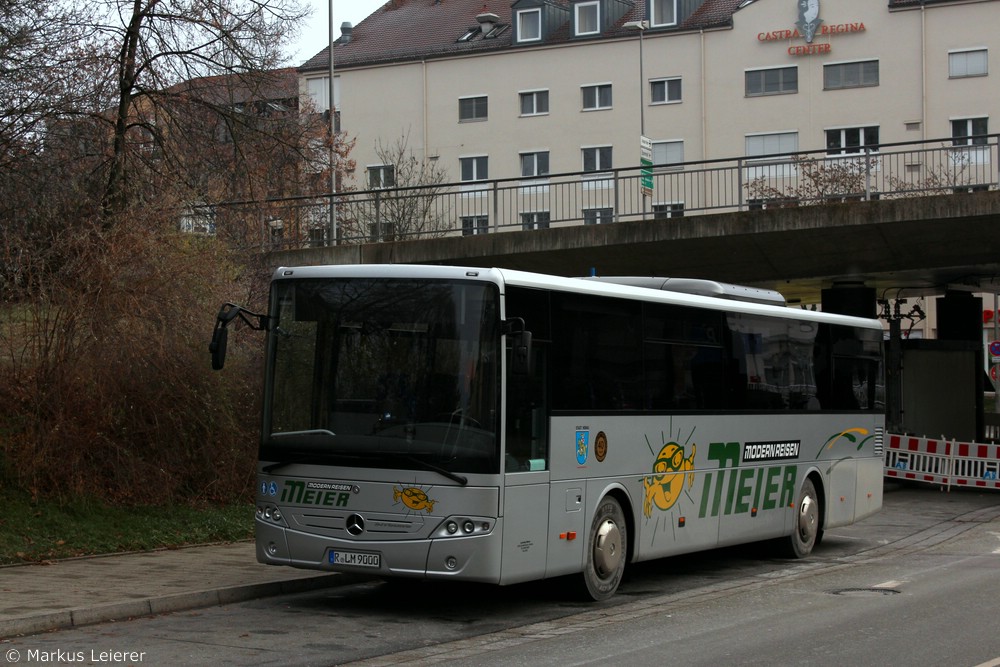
column 695, row 293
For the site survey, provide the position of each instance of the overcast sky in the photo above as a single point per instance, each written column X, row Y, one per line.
column 315, row 34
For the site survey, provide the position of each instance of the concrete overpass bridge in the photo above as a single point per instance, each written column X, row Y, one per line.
column 915, row 218
column 919, row 245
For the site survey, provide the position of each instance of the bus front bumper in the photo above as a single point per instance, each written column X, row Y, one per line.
column 472, row 558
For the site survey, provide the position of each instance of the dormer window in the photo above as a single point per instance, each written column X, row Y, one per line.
column 484, row 31
column 529, row 25
column 587, row 18
column 663, row 12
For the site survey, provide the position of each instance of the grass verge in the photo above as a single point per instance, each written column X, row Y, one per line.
column 33, row 531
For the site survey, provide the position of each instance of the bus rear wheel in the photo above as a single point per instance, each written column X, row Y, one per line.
column 806, row 531
column 607, row 550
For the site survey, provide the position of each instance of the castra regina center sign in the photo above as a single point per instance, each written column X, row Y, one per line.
column 807, row 28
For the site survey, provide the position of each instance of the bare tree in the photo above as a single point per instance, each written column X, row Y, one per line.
column 815, row 181
column 113, row 119
column 406, row 200
column 948, row 169
column 140, row 51
column 38, row 49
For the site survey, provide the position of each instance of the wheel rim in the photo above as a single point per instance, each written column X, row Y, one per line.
column 607, row 548
column 808, row 516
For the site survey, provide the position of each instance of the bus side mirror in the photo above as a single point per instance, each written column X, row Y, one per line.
column 520, row 353
column 218, row 347
column 228, row 313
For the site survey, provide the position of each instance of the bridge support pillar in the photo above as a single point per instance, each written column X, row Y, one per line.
column 960, row 317
column 850, row 298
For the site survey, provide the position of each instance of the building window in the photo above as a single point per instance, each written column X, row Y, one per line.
column 778, row 143
column 381, row 176
column 534, row 164
column 851, row 140
column 475, row 168
column 598, row 216
column 472, row 108
column 597, row 158
column 973, row 62
column 536, row 220
column 964, row 131
column 772, row 81
column 971, row 155
column 668, row 153
column 277, row 232
column 665, row 91
column 529, row 25
column 597, row 97
column 198, row 221
column 317, row 237
column 319, row 91
column 664, row 12
column 664, row 211
column 850, row 75
column 473, row 225
column 534, row 102
column 588, row 18
column 384, row 230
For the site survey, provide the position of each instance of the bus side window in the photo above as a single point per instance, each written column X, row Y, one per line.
column 527, row 423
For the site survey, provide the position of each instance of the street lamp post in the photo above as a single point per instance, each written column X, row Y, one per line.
column 645, row 149
column 333, row 140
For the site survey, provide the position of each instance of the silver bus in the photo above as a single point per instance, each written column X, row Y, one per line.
column 500, row 426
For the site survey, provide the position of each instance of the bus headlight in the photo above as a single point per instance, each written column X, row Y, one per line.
column 464, row 526
column 270, row 514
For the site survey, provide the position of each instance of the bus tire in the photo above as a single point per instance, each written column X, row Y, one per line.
column 607, row 550
column 805, row 532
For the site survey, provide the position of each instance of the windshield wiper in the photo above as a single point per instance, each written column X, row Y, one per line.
column 318, row 439
column 453, row 476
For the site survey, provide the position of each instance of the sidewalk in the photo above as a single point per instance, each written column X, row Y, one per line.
column 80, row 591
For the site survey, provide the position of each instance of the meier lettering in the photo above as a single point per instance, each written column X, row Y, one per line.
column 768, row 487
column 295, row 491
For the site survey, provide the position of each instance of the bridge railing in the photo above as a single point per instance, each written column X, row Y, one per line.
column 911, row 169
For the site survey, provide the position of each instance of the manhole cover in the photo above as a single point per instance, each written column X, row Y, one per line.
column 864, row 592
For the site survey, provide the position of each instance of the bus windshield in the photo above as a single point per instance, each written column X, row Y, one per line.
column 385, row 373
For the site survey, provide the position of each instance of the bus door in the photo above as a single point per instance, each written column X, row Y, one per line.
column 526, row 474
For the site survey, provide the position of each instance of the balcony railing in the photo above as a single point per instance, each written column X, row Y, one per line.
column 684, row 189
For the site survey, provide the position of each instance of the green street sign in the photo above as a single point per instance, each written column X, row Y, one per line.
column 646, row 161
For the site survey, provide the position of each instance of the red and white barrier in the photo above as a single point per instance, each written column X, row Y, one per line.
column 949, row 463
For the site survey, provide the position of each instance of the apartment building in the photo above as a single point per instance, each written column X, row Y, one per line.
column 500, row 89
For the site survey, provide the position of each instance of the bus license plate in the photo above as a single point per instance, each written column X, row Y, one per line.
column 355, row 558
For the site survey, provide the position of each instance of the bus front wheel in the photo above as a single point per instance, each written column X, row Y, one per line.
column 607, row 547
column 806, row 531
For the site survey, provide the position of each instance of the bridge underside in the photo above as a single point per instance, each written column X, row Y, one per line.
column 920, row 245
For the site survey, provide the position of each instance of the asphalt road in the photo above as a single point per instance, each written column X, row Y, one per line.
column 916, row 584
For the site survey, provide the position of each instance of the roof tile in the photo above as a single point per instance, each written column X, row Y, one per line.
column 404, row 30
